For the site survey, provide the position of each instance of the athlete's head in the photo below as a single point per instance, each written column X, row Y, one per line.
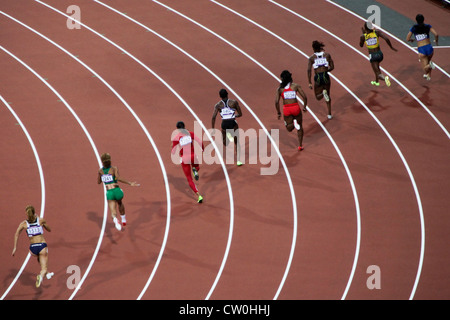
column 223, row 94
column 317, row 46
column 286, row 77
column 30, row 212
column 420, row 18
column 106, row 160
column 180, row 125
column 368, row 26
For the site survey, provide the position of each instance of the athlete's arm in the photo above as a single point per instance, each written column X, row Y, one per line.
column 309, row 72
column 43, row 223
column 277, row 102
column 330, row 63
column 16, row 236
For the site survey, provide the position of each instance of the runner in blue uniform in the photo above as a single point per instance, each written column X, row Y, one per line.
column 421, row 32
column 34, row 227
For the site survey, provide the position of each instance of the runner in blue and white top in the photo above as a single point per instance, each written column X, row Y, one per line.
column 34, row 227
column 421, row 32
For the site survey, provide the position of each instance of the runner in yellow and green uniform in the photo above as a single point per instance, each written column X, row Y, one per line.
column 371, row 37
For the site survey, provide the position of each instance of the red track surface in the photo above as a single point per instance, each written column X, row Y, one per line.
column 386, row 206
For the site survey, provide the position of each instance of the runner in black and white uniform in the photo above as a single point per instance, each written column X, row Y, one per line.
column 229, row 110
column 322, row 63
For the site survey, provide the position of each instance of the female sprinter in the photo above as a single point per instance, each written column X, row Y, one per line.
column 322, row 63
column 229, row 110
column 38, row 247
column 109, row 175
column 421, row 32
column 371, row 37
column 293, row 117
column 189, row 162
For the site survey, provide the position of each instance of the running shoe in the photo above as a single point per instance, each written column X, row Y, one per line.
column 230, row 137
column 117, row 224
column 374, row 83
column 195, row 173
column 330, row 117
column 300, row 148
column 325, row 95
column 200, row 199
column 239, row 163
column 386, row 79
column 38, row 281
column 432, row 66
column 49, row 275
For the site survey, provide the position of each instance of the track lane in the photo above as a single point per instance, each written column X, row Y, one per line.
column 147, row 76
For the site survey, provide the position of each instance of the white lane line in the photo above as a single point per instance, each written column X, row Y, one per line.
column 201, row 123
column 75, row 116
column 166, row 183
column 385, row 31
column 355, row 196
column 416, row 191
column 420, row 102
column 41, row 176
column 230, row 234
column 367, row 58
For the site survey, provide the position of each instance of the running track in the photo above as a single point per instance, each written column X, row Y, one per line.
column 370, row 188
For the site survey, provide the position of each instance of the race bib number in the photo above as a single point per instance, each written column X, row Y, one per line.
column 227, row 113
column 185, row 140
column 371, row 41
column 33, row 231
column 107, row 178
column 420, row 37
column 320, row 62
column 289, row 95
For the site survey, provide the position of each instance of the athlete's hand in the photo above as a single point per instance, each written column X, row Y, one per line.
column 134, row 184
column 279, row 115
column 310, row 86
column 13, row 252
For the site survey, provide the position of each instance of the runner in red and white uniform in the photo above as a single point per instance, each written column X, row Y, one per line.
column 293, row 117
column 184, row 140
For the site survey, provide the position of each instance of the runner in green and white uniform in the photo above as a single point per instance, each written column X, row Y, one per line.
column 109, row 175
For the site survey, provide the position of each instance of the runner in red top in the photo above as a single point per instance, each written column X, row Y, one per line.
column 293, row 117
column 184, row 141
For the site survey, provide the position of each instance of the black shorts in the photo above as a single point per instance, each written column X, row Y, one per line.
column 376, row 56
column 228, row 124
column 321, row 78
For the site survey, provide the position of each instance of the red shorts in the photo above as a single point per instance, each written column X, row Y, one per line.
column 292, row 109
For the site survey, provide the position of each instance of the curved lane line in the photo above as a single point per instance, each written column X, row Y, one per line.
column 41, row 175
column 416, row 191
column 254, row 115
column 79, row 122
column 99, row 161
column 385, row 31
column 187, row 106
column 355, row 196
column 367, row 58
column 230, row 234
column 420, row 102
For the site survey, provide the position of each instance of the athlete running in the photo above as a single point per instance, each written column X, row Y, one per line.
column 421, row 32
column 109, row 175
column 292, row 114
column 229, row 110
column 371, row 37
column 322, row 63
column 183, row 140
column 34, row 227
